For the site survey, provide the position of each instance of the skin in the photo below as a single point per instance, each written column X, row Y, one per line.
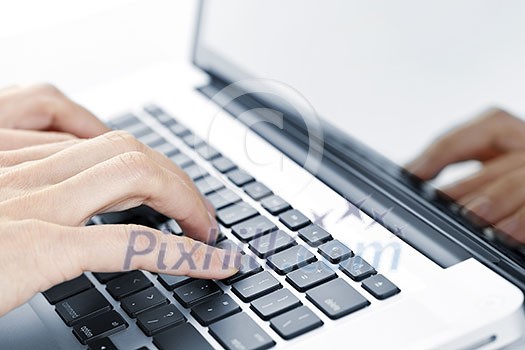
column 48, row 192
column 497, row 192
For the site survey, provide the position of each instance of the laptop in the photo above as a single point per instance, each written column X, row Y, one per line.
column 341, row 247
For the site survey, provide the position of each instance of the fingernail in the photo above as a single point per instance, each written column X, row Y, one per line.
column 508, row 225
column 480, row 206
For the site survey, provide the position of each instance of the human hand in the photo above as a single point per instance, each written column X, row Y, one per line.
column 497, row 192
column 49, row 190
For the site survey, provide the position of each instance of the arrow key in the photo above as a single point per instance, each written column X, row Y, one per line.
column 215, row 309
column 143, row 301
column 380, row 287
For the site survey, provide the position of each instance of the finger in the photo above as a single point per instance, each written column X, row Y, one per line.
column 500, row 199
column 514, row 226
column 122, row 182
column 494, row 132
column 15, row 139
column 44, row 107
column 492, row 170
column 19, row 156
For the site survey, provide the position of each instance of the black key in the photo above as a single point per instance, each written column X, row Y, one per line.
column 256, row 286
column 155, row 111
column 252, row 228
column 380, row 287
column 152, row 140
column 215, row 309
column 235, row 213
column 99, row 327
column 239, row 177
column 167, row 149
column 310, row 276
column 271, row 243
column 181, row 160
column 86, row 304
column 102, row 344
column 143, row 301
column 335, row 251
column 196, row 292
column 193, row 141
column 183, row 337
column 336, row 298
column 249, row 266
column 170, row 227
column 223, row 198
column 240, row 332
column 104, row 277
column 290, row 259
column 195, row 171
column 357, row 268
column 207, row 152
column 295, row 322
column 275, row 303
column 314, row 235
column 128, row 284
column 223, row 164
column 294, row 219
column 67, row 289
column 208, row 185
column 257, row 190
column 179, row 130
column 125, row 121
column 275, row 204
column 229, row 245
column 170, row 282
column 156, row 320
column 139, row 130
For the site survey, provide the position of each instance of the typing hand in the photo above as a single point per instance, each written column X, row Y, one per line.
column 51, row 184
column 497, row 192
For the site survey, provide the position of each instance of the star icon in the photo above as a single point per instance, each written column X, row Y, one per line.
column 379, row 217
column 319, row 219
column 353, row 210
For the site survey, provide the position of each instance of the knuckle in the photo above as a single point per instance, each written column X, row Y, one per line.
column 48, row 89
column 138, row 165
column 123, row 140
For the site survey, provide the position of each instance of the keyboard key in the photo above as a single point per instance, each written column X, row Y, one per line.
column 240, row 332
column 294, row 219
column 125, row 121
column 271, row 243
column 256, row 286
column 295, row 322
column 207, row 152
column 86, row 304
column 171, row 227
column 143, row 301
column 128, row 284
column 335, row 251
column 310, row 276
column 223, row 198
column 208, row 185
column 183, row 337
column 239, row 177
column 170, row 282
column 249, row 266
column 167, row 149
column 99, row 327
column 275, row 204
column 181, row 160
column 104, row 277
column 102, row 344
column 67, row 289
column 257, row 190
column 336, row 298
column 290, row 259
column 252, row 228
column 158, row 319
column 314, row 235
column 274, row 304
column 380, row 287
column 152, row 140
column 156, row 111
column 229, row 245
column 215, row 309
column 194, row 171
column 223, row 164
column 193, row 141
column 357, row 268
column 139, row 130
column 179, row 130
column 235, row 213
column 196, row 292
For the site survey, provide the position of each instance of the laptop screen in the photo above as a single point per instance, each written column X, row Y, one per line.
column 393, row 75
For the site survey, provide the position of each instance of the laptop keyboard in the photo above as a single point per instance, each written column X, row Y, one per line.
column 306, row 255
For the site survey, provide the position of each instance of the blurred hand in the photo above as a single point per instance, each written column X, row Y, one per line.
column 52, row 183
column 497, row 192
